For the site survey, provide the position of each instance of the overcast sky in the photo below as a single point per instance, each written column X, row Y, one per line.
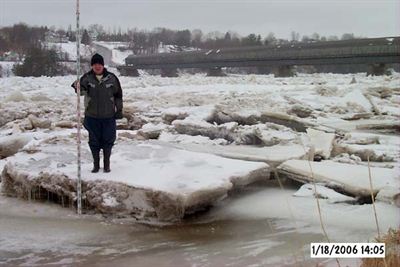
column 368, row 18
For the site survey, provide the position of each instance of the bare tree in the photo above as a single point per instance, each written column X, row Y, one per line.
column 295, row 36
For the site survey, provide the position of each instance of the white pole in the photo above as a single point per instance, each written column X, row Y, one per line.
column 78, row 110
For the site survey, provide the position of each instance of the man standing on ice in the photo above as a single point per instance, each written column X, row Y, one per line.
column 103, row 105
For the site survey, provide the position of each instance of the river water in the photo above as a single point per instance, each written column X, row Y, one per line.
column 257, row 227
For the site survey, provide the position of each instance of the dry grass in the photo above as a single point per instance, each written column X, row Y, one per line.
column 392, row 259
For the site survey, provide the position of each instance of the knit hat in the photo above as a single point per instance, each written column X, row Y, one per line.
column 97, row 59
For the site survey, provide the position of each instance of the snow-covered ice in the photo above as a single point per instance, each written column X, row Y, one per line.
column 321, row 141
column 353, row 179
column 147, row 181
column 320, row 191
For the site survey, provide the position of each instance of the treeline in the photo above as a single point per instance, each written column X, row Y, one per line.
column 150, row 40
column 21, row 37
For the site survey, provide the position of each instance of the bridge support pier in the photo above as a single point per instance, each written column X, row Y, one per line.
column 127, row 71
column 216, row 72
column 169, row 73
column 264, row 70
column 284, row 71
column 377, row 69
column 132, row 73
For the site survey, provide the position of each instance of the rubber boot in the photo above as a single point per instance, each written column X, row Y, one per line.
column 96, row 160
column 107, row 155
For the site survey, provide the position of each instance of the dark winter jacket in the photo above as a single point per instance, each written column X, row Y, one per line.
column 103, row 99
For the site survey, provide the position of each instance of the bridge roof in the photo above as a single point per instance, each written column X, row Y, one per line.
column 370, row 50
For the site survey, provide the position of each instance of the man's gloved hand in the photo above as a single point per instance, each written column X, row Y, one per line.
column 74, row 84
column 118, row 115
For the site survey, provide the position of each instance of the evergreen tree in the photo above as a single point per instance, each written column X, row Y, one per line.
column 85, row 39
column 251, row 39
column 39, row 62
column 183, row 38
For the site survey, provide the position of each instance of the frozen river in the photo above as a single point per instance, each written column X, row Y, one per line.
column 245, row 117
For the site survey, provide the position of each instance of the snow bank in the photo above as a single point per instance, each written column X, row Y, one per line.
column 118, row 56
column 69, row 48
